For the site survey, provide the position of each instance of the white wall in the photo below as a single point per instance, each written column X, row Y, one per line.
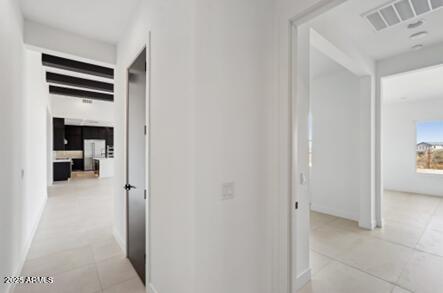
column 12, row 138
column 69, row 44
column 232, row 90
column 399, row 141
column 36, row 100
column 172, row 153
column 336, row 155
column 74, row 108
column 208, row 126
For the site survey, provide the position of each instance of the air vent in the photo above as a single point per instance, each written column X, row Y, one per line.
column 436, row 4
column 404, row 9
column 400, row 11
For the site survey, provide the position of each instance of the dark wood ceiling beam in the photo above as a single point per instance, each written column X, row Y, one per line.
column 62, row 79
column 77, row 66
column 57, row 90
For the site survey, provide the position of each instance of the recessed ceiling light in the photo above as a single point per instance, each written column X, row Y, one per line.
column 418, row 35
column 403, row 98
column 417, row 47
column 415, row 24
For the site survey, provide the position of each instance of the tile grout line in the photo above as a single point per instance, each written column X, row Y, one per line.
column 358, row 269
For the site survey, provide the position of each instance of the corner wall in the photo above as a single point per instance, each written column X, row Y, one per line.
column 12, row 137
column 36, row 101
column 336, row 154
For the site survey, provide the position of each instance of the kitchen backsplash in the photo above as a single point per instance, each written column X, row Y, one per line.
column 68, row 154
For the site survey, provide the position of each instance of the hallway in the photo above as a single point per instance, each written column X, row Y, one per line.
column 74, row 243
column 405, row 256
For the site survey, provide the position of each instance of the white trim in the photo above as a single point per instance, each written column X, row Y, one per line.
column 335, row 212
column 151, row 289
column 28, row 244
column 302, row 279
column 119, row 240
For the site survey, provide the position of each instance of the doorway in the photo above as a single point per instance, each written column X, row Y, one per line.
column 136, row 165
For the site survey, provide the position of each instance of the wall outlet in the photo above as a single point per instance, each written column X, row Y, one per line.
column 228, row 190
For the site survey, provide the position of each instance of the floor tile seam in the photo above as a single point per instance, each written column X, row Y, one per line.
column 427, row 226
column 58, row 252
column 376, row 237
column 357, row 268
column 428, row 253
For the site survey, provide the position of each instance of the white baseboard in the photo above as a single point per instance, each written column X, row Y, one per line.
column 302, row 279
column 151, row 289
column 119, row 240
column 380, row 223
column 28, row 244
column 334, row 212
column 367, row 225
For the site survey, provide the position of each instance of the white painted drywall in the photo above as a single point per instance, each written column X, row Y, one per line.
column 399, row 141
column 74, row 108
column 233, row 39
column 172, row 155
column 336, row 153
column 51, row 39
column 208, row 126
column 36, row 101
column 12, row 138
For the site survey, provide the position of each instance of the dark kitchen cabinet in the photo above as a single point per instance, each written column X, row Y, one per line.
column 109, row 136
column 77, row 165
column 106, row 133
column 73, row 135
column 59, row 134
column 62, row 171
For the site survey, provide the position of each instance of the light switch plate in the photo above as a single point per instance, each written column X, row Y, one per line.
column 228, row 190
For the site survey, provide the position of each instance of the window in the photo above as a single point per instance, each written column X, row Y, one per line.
column 429, row 148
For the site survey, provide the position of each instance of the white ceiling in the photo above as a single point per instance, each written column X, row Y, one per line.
column 416, row 85
column 103, row 20
column 320, row 64
column 345, row 23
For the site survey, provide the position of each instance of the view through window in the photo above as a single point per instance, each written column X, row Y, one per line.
column 429, row 149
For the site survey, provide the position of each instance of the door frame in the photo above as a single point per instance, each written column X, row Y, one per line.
column 297, row 280
column 145, row 46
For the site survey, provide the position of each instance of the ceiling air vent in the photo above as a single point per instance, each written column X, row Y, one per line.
column 420, row 6
column 399, row 11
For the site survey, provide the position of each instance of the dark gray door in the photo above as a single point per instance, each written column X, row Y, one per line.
column 136, row 164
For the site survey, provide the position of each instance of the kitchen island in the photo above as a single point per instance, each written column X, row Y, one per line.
column 62, row 169
column 104, row 167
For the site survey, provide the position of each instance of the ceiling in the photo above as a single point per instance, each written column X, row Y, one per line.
column 320, row 64
column 415, row 85
column 103, row 20
column 346, row 25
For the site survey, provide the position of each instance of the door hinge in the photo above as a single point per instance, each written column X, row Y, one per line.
column 146, row 192
column 146, row 66
column 146, row 129
column 296, row 205
column 145, row 258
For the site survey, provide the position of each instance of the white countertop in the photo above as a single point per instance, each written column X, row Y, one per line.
column 102, row 159
column 63, row 161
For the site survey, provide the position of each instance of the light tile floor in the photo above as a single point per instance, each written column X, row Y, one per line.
column 405, row 256
column 74, row 243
